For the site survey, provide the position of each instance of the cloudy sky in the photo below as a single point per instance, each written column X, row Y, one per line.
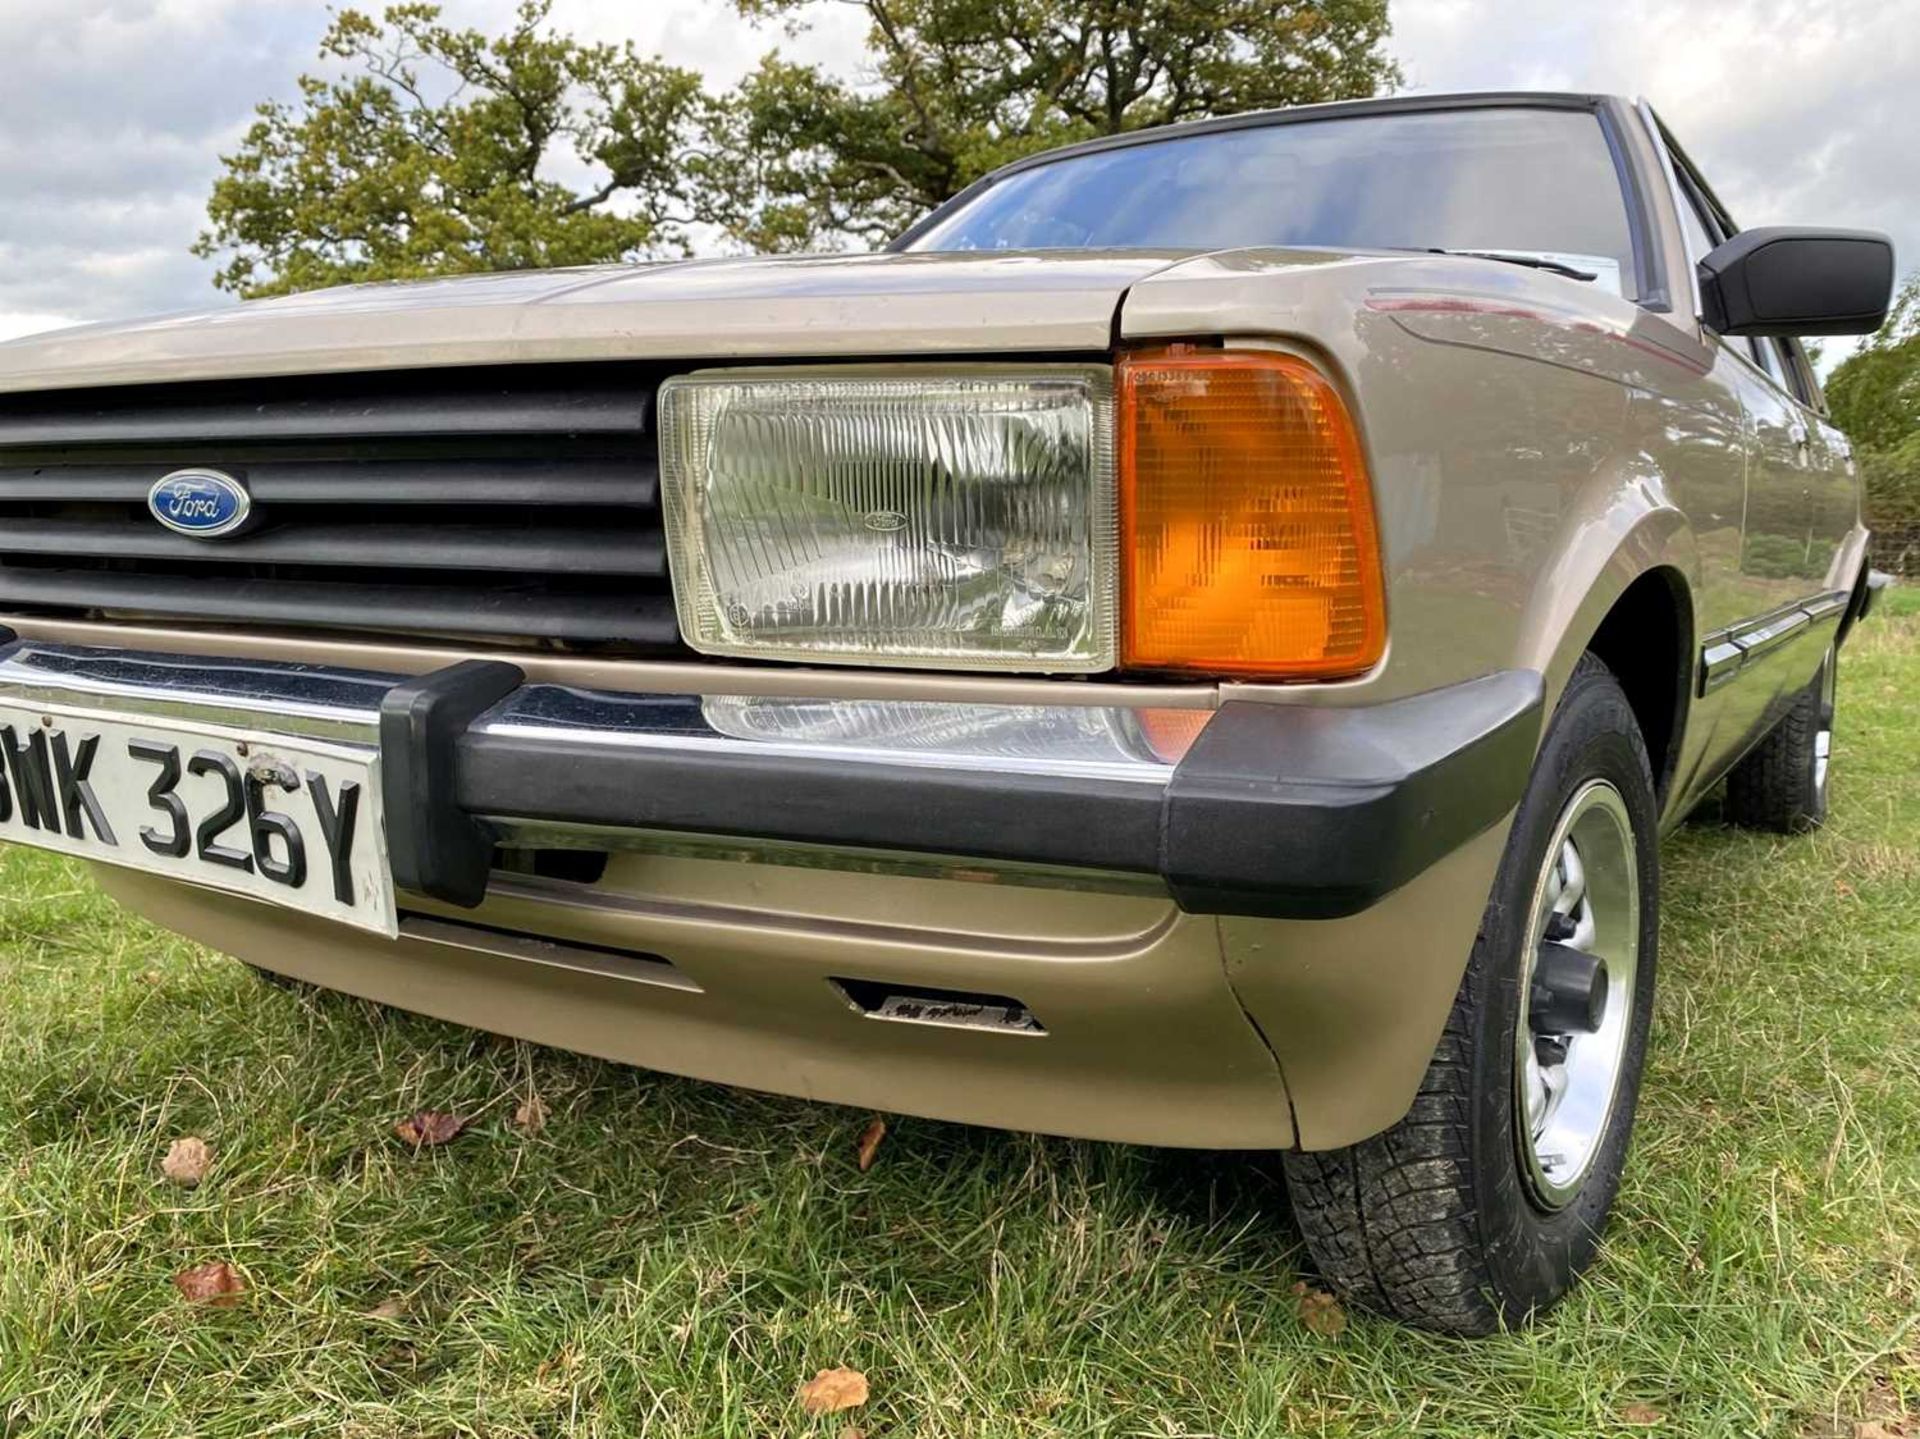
column 113, row 112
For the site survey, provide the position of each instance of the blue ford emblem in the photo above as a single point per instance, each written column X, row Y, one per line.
column 203, row 503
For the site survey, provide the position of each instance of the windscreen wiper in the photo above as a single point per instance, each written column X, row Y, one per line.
column 1537, row 262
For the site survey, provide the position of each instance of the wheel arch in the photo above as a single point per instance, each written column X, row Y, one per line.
column 1859, row 601
column 1645, row 638
column 1633, row 607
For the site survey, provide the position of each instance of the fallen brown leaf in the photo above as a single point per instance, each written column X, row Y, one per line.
column 1320, row 1312
column 1644, row 1415
column 387, row 1309
column 1898, row 1425
column 218, row 1284
column 852, row 1433
column 428, row 1128
column 832, row 1390
column 530, row 1114
column 188, row 1159
column 869, row 1144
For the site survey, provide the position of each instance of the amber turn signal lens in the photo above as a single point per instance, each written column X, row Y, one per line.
column 1171, row 733
column 1247, row 540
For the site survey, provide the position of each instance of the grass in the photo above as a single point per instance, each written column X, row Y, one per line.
column 675, row 1258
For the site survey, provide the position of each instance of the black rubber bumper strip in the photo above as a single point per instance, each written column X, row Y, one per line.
column 1312, row 812
column 433, row 847
column 1278, row 809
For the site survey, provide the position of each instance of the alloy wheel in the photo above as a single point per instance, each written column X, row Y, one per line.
column 1577, row 973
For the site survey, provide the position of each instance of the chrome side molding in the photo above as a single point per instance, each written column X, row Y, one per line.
column 1725, row 652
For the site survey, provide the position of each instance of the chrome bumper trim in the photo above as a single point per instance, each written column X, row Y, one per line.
column 1069, row 742
column 1274, row 810
column 628, row 965
column 330, row 704
column 1063, row 740
column 519, row 832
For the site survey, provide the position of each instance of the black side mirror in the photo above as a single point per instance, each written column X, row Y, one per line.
column 1779, row 280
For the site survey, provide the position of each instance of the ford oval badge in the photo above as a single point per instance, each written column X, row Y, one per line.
column 205, row 504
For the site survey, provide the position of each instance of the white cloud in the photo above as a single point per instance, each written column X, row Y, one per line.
column 113, row 113
column 25, row 322
column 1797, row 113
column 112, row 117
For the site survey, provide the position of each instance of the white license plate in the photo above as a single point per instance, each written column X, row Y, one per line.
column 294, row 822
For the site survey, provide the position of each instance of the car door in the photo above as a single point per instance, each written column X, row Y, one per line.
column 1775, row 547
column 1747, row 587
column 1779, row 569
column 1773, row 530
column 1833, row 485
column 1703, row 441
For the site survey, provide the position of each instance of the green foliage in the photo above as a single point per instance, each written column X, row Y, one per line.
column 436, row 155
column 1777, row 557
column 1875, row 392
column 965, row 86
column 1892, row 478
column 1874, row 395
column 430, row 150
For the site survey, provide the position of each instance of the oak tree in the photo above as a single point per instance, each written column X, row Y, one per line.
column 428, row 150
column 957, row 88
column 1874, row 395
column 1875, row 392
column 438, row 151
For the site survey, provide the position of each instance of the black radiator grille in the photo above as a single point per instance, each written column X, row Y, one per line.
column 500, row 504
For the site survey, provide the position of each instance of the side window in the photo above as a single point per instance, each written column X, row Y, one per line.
column 1700, row 241
column 1784, row 360
column 1799, row 373
column 1705, row 228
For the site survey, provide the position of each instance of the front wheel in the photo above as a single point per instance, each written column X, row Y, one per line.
column 1483, row 1204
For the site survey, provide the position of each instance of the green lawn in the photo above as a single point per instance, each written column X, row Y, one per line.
column 675, row 1258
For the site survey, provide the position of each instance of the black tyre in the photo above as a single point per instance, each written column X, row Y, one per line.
column 1782, row 783
column 1483, row 1204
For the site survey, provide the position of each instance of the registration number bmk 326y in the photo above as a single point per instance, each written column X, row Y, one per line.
column 291, row 821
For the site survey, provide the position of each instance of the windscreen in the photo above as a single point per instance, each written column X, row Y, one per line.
column 1532, row 181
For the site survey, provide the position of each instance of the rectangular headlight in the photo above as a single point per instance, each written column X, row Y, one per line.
column 957, row 516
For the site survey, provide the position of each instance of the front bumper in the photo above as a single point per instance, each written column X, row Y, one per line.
column 1295, row 896
column 1277, row 810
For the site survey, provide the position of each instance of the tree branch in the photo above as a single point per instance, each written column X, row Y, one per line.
column 909, row 84
column 587, row 202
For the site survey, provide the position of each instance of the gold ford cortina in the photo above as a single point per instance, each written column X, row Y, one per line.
column 1194, row 645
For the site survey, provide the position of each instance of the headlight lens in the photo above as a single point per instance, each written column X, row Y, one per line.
column 961, row 517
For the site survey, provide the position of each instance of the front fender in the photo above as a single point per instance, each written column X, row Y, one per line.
column 1623, row 528
column 1516, row 494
